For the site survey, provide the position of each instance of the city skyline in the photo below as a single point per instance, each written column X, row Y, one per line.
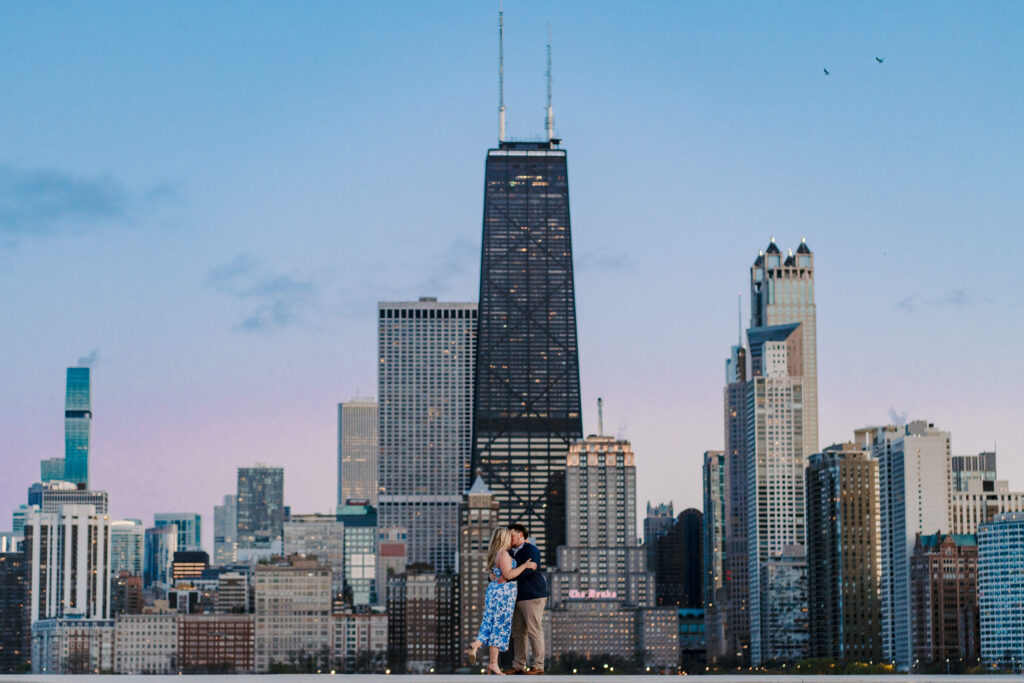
column 247, row 309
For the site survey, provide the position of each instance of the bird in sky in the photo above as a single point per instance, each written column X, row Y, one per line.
column 827, row 73
column 879, row 59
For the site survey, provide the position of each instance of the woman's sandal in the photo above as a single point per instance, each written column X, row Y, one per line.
column 470, row 656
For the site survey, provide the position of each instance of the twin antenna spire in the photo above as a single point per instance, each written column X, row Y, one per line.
column 549, row 119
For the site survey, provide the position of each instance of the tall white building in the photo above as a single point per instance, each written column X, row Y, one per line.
column 980, row 501
column 293, row 613
column 69, row 563
column 319, row 536
column 357, row 451
column 225, row 531
column 775, row 454
column 145, row 643
column 425, row 394
column 127, row 546
column 782, row 293
column 602, row 552
column 914, row 485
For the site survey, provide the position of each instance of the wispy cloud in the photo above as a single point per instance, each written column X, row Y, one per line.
column 42, row 201
column 454, row 262
column 274, row 300
column 953, row 298
column 602, row 259
column 90, row 360
column 47, row 201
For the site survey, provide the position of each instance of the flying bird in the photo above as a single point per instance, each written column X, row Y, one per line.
column 827, row 73
column 879, row 59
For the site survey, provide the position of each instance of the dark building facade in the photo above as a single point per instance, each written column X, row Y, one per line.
column 216, row 643
column 843, row 554
column 944, row 600
column 737, row 614
column 422, row 624
column 126, row 594
column 679, row 563
column 14, row 616
column 527, row 401
column 260, row 506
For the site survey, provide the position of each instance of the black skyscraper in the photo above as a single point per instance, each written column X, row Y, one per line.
column 527, row 399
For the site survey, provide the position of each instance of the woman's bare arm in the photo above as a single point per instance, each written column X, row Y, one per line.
column 507, row 572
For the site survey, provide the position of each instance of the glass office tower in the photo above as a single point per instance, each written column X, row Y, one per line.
column 77, row 426
column 527, row 398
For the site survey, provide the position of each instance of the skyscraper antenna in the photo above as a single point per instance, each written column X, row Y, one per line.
column 600, row 416
column 739, row 317
column 501, row 73
column 550, row 120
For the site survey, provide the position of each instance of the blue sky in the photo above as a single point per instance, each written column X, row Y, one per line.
column 213, row 197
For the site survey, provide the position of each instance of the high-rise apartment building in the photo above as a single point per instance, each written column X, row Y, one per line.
column 393, row 551
column 678, row 563
column 68, row 555
column 260, row 507
column 160, row 545
column 1001, row 589
column 14, row 625
column 775, row 457
column 77, row 426
column 944, row 600
column 713, row 539
column 658, row 521
column 190, row 528
column 146, row 644
column 602, row 552
column 225, row 531
column 360, row 642
column 422, row 625
column 360, row 521
column 782, row 293
column 321, row 537
column 293, row 613
column 50, row 496
column 737, row 614
column 51, row 469
column 72, row 645
column 425, row 387
column 843, row 552
column 357, row 450
column 127, row 547
column 126, row 595
column 980, row 501
column 914, row 486
column 216, row 643
column 478, row 519
column 966, row 468
column 527, row 409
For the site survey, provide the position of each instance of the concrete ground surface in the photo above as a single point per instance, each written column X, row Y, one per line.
column 437, row 678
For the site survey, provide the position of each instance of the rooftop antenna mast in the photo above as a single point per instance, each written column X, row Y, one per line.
column 550, row 121
column 501, row 73
column 739, row 317
column 600, row 416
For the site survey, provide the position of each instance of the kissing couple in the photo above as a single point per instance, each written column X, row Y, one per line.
column 514, row 603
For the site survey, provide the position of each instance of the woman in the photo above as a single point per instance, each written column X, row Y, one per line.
column 500, row 601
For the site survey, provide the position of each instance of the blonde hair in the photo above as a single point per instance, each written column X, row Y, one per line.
column 499, row 542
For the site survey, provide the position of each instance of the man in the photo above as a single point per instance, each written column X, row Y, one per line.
column 532, row 595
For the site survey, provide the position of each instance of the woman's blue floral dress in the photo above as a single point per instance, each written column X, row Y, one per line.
column 499, row 603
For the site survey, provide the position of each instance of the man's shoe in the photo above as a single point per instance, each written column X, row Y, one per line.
column 516, row 671
column 535, row 672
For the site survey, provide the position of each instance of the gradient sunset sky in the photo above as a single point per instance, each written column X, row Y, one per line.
column 210, row 199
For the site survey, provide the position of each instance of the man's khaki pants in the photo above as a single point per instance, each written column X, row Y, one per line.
column 527, row 625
